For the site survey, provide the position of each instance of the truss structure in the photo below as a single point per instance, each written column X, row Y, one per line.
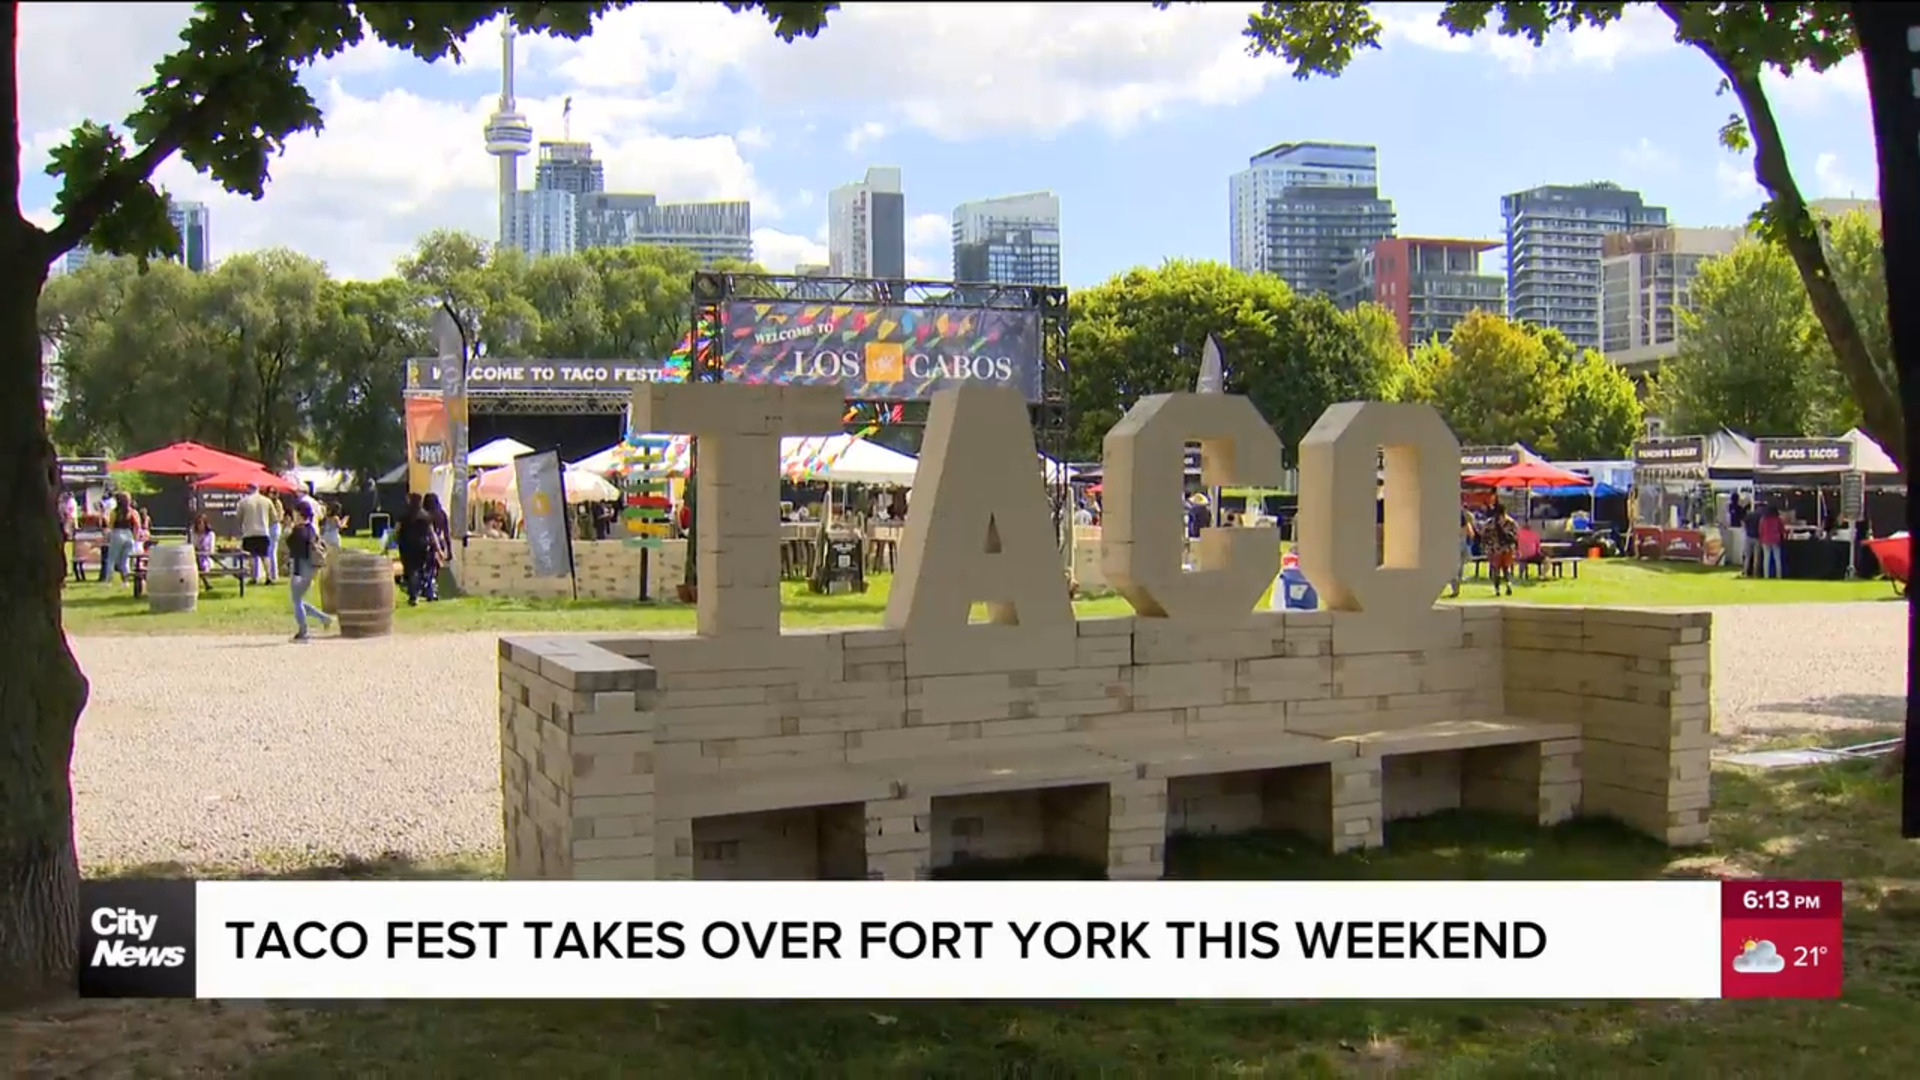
column 548, row 403
column 713, row 290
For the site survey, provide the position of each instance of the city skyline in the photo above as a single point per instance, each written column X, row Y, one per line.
column 714, row 108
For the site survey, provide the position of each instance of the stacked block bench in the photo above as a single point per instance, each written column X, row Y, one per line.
column 672, row 756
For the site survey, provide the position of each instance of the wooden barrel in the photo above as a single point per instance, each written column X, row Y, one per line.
column 362, row 594
column 173, row 578
column 329, row 596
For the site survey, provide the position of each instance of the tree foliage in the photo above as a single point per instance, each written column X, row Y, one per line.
column 226, row 102
column 1742, row 41
column 1497, row 383
column 266, row 355
column 1752, row 356
column 1143, row 332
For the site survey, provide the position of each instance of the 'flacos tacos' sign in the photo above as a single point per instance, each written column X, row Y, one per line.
column 980, row 529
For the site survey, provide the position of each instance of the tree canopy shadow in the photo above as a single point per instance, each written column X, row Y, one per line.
column 1873, row 708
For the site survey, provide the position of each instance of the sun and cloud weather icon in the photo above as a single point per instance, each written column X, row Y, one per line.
column 1758, row 958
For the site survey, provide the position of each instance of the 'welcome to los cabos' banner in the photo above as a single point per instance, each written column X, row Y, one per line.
column 890, row 352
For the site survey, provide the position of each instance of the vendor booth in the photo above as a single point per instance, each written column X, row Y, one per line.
column 1829, row 492
column 1681, row 485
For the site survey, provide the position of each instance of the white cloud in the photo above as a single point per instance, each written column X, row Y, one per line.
column 1642, row 31
column 929, row 245
column 865, row 135
column 1831, row 181
column 959, row 71
column 1644, row 155
column 1737, row 183
column 780, row 252
column 394, row 163
column 1845, row 83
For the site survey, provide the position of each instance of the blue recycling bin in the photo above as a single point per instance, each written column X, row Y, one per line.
column 1298, row 591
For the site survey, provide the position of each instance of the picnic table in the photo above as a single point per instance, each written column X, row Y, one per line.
column 230, row 562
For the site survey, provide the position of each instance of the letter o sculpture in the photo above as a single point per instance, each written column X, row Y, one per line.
column 1338, row 462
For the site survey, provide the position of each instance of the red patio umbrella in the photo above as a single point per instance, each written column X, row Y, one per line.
column 186, row 459
column 241, row 479
column 1528, row 474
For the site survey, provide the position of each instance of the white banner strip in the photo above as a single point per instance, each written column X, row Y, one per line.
column 959, row 940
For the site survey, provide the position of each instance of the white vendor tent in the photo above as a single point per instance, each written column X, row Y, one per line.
column 608, row 461
column 502, row 484
column 1868, row 456
column 496, row 453
column 845, row 459
column 600, row 463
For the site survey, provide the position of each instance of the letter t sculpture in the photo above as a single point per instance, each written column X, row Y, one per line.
column 737, row 533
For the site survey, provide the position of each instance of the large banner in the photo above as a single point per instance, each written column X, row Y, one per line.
column 545, row 376
column 429, row 440
column 1684, row 452
column 543, row 513
column 891, row 352
column 1487, row 458
column 85, row 470
column 1809, row 455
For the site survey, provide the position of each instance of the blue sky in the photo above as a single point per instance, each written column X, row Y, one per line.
column 1134, row 117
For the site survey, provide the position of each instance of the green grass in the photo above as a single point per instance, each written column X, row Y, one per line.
column 1630, row 583
column 94, row 609
column 1836, row 822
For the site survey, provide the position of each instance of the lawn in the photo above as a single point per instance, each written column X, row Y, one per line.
column 1836, row 822
column 94, row 609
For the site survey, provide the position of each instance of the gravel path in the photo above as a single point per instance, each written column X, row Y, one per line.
column 206, row 750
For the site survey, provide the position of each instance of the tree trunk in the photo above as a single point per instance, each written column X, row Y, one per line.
column 41, row 688
column 1886, row 48
column 1880, row 411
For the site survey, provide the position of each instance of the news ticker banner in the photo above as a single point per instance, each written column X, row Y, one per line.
column 1687, row 940
column 887, row 352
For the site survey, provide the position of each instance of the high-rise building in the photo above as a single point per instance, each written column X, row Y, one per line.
column 569, row 166
column 1429, row 284
column 1554, row 236
column 1011, row 240
column 509, row 137
column 867, row 227
column 1303, row 210
column 545, row 222
column 715, row 230
column 190, row 220
column 1644, row 284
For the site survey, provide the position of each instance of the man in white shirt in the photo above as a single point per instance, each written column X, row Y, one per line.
column 255, row 512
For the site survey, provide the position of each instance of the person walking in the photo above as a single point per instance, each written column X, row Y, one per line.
column 123, row 523
column 1502, row 543
column 330, row 526
column 255, row 512
column 276, row 528
column 1773, row 533
column 440, row 553
column 1734, row 536
column 303, row 545
column 412, row 537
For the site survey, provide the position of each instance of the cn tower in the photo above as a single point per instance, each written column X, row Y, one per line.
column 508, row 135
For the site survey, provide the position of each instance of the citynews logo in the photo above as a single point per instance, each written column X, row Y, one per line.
column 136, row 939
column 121, row 940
